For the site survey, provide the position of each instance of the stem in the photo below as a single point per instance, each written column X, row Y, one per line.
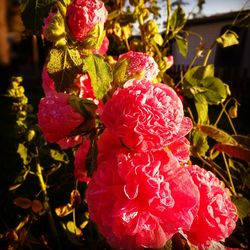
column 209, row 53
column 46, row 203
column 229, row 175
column 230, row 121
column 168, row 15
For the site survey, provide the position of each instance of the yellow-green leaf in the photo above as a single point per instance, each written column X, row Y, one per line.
column 59, row 156
column 23, row 152
column 243, row 206
column 227, row 39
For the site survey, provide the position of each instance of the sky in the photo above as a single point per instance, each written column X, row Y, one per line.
column 212, row 7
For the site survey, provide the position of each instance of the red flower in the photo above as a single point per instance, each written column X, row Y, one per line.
column 83, row 16
column 180, row 149
column 70, row 142
column 217, row 215
column 80, row 172
column 56, row 118
column 48, row 84
column 141, row 65
column 140, row 199
column 104, row 47
column 146, row 116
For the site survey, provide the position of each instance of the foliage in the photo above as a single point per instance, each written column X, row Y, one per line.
column 225, row 153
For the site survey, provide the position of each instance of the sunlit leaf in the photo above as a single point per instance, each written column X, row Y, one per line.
column 100, row 74
column 199, row 143
column 243, row 206
column 182, row 44
column 202, row 111
column 64, row 210
column 217, row 134
column 23, row 152
column 120, row 71
column 22, row 202
column 227, row 39
column 63, row 65
column 177, row 20
column 73, row 233
column 75, row 197
column 59, row 156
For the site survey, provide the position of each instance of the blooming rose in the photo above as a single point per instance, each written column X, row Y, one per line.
column 80, row 172
column 57, row 118
column 217, row 215
column 83, row 16
column 146, row 116
column 140, row 65
column 180, row 149
column 140, row 199
column 48, row 84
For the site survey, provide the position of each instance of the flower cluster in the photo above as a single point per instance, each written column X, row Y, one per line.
column 143, row 190
column 141, row 194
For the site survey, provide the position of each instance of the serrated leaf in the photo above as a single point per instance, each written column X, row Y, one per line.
column 236, row 151
column 22, row 202
column 177, row 20
column 23, row 152
column 59, row 156
column 34, row 12
column 63, row 65
column 199, row 143
column 217, row 134
column 100, row 74
column 227, row 39
column 211, row 88
column 243, row 206
column 182, row 44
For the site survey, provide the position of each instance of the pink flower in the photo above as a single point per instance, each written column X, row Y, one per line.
column 47, row 22
column 180, row 149
column 56, row 118
column 139, row 200
column 48, row 84
column 83, row 83
column 83, row 16
column 146, row 116
column 104, row 47
column 80, row 171
column 217, row 215
column 140, row 65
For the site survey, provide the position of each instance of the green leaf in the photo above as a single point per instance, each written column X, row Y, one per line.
column 202, row 111
column 199, row 143
column 243, row 206
column 182, row 44
column 236, row 151
column 34, row 12
column 59, row 156
column 227, row 39
column 23, row 152
column 100, row 74
column 158, row 39
column 194, row 75
column 177, row 20
column 120, row 72
column 212, row 89
column 63, row 65
column 217, row 134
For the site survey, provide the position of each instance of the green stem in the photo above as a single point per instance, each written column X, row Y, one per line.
column 209, row 53
column 229, row 175
column 46, row 203
column 168, row 15
column 230, row 121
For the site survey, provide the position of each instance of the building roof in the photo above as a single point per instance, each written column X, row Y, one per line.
column 218, row 18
